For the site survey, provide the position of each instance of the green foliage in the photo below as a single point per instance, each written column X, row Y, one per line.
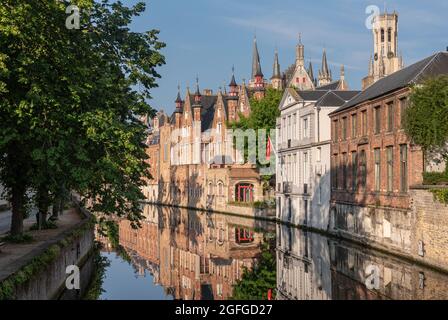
column 435, row 178
column 440, row 195
column 19, row 239
column 39, row 263
column 70, row 108
column 264, row 112
column 96, row 285
column 426, row 118
column 47, row 225
column 255, row 283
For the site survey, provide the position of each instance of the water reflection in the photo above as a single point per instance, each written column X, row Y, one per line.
column 311, row 266
column 191, row 255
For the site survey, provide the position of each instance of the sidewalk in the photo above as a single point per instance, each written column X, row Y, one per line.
column 14, row 256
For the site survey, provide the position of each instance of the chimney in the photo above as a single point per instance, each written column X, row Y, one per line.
column 207, row 92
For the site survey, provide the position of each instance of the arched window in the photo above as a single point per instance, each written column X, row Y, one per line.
column 220, row 188
column 210, row 188
column 244, row 192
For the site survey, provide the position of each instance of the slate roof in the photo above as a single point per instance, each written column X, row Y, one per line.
column 336, row 98
column 434, row 65
column 207, row 110
column 331, row 86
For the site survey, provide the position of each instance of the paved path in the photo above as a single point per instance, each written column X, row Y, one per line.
column 12, row 256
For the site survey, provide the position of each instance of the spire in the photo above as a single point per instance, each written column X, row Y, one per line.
column 311, row 72
column 300, row 52
column 233, row 85
column 276, row 69
column 343, row 84
column 233, row 81
column 325, row 70
column 371, row 67
column 256, row 66
column 197, row 95
column 179, row 102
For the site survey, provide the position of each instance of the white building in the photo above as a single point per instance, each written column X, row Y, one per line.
column 303, row 265
column 303, row 153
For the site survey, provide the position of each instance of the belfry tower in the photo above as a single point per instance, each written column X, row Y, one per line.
column 386, row 59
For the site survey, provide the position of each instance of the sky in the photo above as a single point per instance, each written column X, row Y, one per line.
column 205, row 38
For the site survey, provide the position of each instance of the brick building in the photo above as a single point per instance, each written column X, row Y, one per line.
column 374, row 163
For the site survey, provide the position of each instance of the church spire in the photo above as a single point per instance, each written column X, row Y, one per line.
column 256, row 66
column 276, row 68
column 300, row 53
column 324, row 72
column 311, row 72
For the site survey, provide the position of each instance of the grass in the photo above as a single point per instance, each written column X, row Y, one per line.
column 19, row 239
column 45, row 226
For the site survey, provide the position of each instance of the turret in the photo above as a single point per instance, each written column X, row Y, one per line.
column 276, row 80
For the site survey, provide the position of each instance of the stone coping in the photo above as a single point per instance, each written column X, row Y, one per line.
column 27, row 258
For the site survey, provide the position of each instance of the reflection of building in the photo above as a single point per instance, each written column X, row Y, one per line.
column 303, row 265
column 192, row 255
column 303, row 165
column 375, row 168
column 311, row 266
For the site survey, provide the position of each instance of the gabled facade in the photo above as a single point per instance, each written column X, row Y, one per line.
column 303, row 155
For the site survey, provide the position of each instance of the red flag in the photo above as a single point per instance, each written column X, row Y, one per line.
column 268, row 149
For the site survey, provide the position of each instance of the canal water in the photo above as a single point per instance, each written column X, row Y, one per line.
column 192, row 255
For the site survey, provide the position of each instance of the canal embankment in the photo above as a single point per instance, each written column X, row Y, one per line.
column 37, row 270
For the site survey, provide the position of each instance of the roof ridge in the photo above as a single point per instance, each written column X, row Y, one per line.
column 413, row 80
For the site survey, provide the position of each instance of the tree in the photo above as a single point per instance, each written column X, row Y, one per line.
column 70, row 112
column 255, row 283
column 426, row 118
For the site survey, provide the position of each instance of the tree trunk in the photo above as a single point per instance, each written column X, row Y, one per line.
column 43, row 201
column 18, row 210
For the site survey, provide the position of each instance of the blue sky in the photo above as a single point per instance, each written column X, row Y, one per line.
column 207, row 37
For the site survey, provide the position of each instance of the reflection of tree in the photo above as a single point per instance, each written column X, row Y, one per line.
column 255, row 283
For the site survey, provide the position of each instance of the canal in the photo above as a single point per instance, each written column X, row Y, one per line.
column 192, row 255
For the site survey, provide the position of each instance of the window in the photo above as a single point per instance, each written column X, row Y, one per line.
column 364, row 122
column 305, row 128
column 335, row 131
column 354, row 171
column 382, row 35
column 244, row 192
column 363, row 169
column 390, row 169
column 284, row 129
column 334, row 172
column 403, row 106
column 344, row 170
column 403, row 168
column 289, row 127
column 377, row 156
column 390, row 117
column 354, row 126
column 305, row 168
column 294, row 125
column 389, row 34
column 294, row 170
column 377, row 115
column 344, row 128
column 319, row 154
